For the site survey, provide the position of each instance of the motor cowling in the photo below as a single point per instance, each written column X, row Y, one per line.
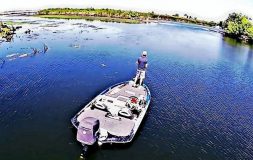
column 87, row 130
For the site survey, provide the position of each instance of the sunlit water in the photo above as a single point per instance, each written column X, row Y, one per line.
column 201, row 86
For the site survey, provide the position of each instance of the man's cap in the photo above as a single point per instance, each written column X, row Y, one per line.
column 144, row 53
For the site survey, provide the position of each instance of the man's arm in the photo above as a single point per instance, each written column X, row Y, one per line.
column 137, row 62
column 146, row 64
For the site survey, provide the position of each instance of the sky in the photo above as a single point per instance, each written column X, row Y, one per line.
column 203, row 9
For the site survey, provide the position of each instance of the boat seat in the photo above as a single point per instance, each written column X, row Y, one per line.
column 125, row 112
column 100, row 105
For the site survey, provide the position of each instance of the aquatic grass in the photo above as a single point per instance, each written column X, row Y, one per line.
column 13, row 23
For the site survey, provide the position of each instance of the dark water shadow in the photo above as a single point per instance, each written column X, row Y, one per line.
column 232, row 42
column 232, row 49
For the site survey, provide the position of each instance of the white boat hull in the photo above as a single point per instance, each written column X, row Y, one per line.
column 116, row 126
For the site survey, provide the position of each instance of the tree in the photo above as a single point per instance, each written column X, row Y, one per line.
column 220, row 23
column 176, row 15
column 250, row 32
column 238, row 26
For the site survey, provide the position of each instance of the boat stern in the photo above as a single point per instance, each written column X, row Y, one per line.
column 87, row 131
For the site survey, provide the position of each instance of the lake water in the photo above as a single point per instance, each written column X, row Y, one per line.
column 201, row 86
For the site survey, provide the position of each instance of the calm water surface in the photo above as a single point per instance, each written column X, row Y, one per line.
column 201, row 86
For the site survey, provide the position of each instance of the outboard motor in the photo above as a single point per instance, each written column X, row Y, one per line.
column 87, row 131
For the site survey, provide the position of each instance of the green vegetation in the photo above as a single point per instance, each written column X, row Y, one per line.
column 107, row 15
column 11, row 23
column 94, row 12
column 238, row 26
column 5, row 29
column 91, row 18
column 112, row 15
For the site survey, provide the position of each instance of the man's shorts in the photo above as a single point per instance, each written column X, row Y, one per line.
column 141, row 73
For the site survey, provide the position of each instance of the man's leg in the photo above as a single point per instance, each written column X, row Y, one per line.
column 136, row 77
column 135, row 80
column 141, row 80
column 142, row 76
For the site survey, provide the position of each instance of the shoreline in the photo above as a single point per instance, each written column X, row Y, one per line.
column 121, row 16
column 131, row 17
column 127, row 21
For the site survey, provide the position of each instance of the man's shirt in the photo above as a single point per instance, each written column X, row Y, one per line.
column 142, row 61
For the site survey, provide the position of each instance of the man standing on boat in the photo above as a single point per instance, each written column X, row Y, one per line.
column 142, row 63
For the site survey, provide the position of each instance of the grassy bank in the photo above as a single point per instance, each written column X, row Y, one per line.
column 11, row 23
column 90, row 18
column 121, row 16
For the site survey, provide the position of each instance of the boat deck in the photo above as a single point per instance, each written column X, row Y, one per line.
column 125, row 91
column 116, row 127
column 116, row 99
